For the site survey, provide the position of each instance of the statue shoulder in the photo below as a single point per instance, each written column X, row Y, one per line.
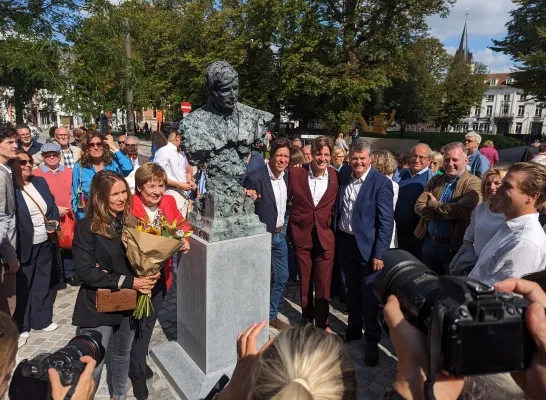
column 254, row 112
column 195, row 118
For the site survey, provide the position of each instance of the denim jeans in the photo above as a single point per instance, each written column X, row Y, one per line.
column 293, row 274
column 279, row 271
column 117, row 369
column 437, row 256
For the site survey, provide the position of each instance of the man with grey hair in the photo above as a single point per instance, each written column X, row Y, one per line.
column 364, row 227
column 131, row 150
column 478, row 164
column 412, row 181
column 445, row 208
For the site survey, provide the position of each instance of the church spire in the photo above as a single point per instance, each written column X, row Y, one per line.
column 463, row 45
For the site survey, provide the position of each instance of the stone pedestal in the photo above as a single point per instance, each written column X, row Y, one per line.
column 222, row 288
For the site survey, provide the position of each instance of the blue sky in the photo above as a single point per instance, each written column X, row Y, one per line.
column 486, row 21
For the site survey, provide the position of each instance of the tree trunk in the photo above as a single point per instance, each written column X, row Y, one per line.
column 19, row 103
column 129, row 93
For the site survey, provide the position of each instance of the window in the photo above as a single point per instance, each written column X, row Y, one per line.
column 509, row 81
column 490, row 97
column 519, row 126
column 521, row 111
column 538, row 112
column 505, row 110
column 522, row 97
column 475, row 126
column 506, row 97
column 477, row 112
column 154, row 113
column 493, row 82
column 489, row 111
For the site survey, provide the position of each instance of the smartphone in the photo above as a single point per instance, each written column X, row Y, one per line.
column 222, row 382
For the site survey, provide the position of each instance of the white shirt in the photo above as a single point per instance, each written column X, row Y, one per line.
column 173, row 162
column 151, row 212
column 483, row 226
column 349, row 200
column 395, row 189
column 317, row 184
column 281, row 196
column 40, row 233
column 517, row 249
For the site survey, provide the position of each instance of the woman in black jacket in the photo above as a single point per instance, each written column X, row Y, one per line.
column 101, row 262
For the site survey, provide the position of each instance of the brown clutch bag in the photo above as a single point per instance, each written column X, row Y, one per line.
column 109, row 300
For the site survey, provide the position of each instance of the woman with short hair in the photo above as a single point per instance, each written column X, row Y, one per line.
column 151, row 202
column 341, row 143
column 101, row 263
column 385, row 162
column 37, row 216
column 489, row 151
column 337, row 159
column 436, row 161
column 98, row 153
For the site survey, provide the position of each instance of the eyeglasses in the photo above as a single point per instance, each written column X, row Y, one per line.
column 415, row 156
column 468, row 141
column 339, row 157
column 121, row 141
column 25, row 162
column 47, row 155
column 62, row 136
column 131, row 145
column 94, row 144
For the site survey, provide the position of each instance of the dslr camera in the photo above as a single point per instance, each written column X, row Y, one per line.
column 30, row 379
column 472, row 329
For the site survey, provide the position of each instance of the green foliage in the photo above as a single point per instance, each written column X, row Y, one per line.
column 463, row 88
column 525, row 42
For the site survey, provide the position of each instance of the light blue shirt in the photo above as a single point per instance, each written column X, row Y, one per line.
column 478, row 164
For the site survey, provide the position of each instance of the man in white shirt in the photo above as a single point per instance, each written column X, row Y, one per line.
column 268, row 185
column 179, row 171
column 519, row 247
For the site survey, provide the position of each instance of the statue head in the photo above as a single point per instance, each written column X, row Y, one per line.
column 222, row 86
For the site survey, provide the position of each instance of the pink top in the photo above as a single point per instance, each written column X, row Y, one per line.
column 491, row 154
column 59, row 182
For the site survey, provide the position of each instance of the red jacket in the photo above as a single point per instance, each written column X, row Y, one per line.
column 304, row 215
column 167, row 205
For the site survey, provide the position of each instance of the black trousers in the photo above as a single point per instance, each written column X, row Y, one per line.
column 410, row 243
column 361, row 302
column 34, row 309
column 141, row 342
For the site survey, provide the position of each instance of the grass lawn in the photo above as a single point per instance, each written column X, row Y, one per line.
column 437, row 139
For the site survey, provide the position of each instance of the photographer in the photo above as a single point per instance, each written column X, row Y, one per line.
column 411, row 349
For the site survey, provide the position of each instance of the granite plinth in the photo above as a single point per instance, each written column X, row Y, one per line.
column 222, row 288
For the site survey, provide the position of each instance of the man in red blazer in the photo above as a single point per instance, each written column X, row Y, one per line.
column 312, row 191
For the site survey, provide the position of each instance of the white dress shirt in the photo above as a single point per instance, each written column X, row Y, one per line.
column 349, row 200
column 173, row 162
column 317, row 184
column 395, row 190
column 518, row 248
column 38, row 222
column 280, row 192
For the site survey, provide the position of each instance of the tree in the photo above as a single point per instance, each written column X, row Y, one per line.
column 463, row 88
column 417, row 94
column 525, row 42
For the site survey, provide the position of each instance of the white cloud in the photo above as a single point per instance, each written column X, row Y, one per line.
column 497, row 62
column 486, row 18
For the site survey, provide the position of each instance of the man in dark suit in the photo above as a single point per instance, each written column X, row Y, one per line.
column 268, row 185
column 364, row 227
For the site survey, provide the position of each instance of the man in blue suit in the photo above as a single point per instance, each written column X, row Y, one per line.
column 268, row 185
column 364, row 227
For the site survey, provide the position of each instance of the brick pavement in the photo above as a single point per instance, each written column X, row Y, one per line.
column 372, row 382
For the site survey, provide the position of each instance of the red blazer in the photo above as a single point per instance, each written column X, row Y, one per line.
column 304, row 214
column 167, row 205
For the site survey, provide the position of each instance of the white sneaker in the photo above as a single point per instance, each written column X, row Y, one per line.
column 22, row 342
column 25, row 335
column 51, row 327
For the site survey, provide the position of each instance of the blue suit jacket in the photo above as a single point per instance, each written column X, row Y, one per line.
column 25, row 228
column 373, row 215
column 266, row 206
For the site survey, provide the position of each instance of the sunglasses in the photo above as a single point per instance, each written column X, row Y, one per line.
column 121, row 142
column 131, row 145
column 92, row 144
column 25, row 162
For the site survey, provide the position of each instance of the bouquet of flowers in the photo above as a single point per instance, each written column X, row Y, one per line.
column 149, row 244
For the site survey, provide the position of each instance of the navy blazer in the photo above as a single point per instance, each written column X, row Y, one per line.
column 25, row 228
column 373, row 214
column 266, row 206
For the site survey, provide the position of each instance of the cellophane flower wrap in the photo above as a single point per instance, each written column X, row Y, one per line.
column 149, row 244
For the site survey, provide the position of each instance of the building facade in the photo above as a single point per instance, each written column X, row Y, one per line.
column 505, row 110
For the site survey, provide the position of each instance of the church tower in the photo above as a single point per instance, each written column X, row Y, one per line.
column 463, row 45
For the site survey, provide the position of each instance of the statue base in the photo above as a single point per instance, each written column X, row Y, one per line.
column 226, row 228
column 222, row 288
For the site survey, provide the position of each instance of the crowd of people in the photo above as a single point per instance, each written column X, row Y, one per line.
column 332, row 208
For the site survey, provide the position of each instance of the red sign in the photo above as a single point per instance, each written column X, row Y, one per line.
column 185, row 107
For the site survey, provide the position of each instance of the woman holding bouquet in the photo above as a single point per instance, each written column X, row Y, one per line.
column 101, row 262
column 150, row 202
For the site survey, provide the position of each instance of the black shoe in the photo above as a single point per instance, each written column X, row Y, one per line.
column 140, row 389
column 351, row 334
column 372, row 354
column 149, row 372
column 74, row 281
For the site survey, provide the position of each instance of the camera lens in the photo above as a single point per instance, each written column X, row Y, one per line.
column 412, row 282
column 89, row 344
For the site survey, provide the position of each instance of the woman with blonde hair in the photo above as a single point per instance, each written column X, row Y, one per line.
column 341, row 143
column 436, row 161
column 338, row 157
column 485, row 222
column 385, row 162
column 489, row 151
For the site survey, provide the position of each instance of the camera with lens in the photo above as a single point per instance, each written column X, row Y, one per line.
column 30, row 379
column 472, row 329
